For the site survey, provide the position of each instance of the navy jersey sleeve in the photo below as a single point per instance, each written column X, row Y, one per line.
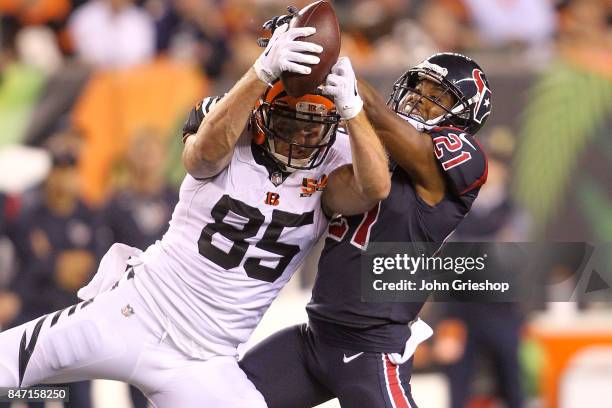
column 197, row 115
column 462, row 159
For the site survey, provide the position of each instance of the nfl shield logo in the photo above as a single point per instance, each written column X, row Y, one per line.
column 276, row 178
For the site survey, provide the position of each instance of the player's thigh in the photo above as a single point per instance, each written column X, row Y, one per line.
column 279, row 369
column 373, row 381
column 217, row 382
column 93, row 339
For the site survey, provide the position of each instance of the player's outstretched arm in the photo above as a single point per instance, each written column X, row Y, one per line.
column 357, row 187
column 411, row 149
column 210, row 149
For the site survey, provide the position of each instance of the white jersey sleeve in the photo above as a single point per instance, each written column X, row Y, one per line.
column 233, row 242
column 198, row 113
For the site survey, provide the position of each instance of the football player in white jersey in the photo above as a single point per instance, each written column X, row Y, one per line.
column 261, row 187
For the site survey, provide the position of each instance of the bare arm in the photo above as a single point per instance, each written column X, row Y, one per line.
column 209, row 151
column 411, row 149
column 357, row 187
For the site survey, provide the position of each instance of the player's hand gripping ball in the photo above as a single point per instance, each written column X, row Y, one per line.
column 322, row 17
column 285, row 53
column 341, row 84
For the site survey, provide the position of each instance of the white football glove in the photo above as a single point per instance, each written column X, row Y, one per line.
column 284, row 53
column 342, row 85
column 419, row 332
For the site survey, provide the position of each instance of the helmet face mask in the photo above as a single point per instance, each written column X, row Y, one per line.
column 452, row 74
column 296, row 132
column 413, row 95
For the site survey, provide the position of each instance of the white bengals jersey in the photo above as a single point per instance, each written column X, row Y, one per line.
column 234, row 241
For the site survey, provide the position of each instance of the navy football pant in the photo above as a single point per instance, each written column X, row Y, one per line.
column 294, row 369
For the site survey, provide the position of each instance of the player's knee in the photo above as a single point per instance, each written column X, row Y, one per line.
column 73, row 345
column 8, row 377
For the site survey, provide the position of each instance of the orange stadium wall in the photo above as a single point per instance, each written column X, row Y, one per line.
column 114, row 104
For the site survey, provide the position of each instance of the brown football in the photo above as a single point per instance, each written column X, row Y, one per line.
column 322, row 16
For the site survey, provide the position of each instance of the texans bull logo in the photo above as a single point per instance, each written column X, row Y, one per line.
column 482, row 108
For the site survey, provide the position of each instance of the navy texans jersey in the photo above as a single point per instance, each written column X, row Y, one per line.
column 335, row 311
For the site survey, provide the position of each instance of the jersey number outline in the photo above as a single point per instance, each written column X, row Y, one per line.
column 453, row 143
column 269, row 241
column 361, row 237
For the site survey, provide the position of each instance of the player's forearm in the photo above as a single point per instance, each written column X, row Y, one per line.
column 370, row 164
column 209, row 150
column 411, row 149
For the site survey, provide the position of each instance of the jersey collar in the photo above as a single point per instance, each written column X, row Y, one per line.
column 275, row 173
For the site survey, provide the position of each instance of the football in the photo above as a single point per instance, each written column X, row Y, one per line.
column 322, row 16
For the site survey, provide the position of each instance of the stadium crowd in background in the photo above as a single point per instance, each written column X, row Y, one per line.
column 115, row 79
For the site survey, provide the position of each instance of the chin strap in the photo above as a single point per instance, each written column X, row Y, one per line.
column 420, row 126
column 284, row 160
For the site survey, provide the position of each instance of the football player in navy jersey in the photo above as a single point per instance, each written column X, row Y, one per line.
column 361, row 352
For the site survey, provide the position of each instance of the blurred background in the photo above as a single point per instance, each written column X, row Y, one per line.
column 93, row 95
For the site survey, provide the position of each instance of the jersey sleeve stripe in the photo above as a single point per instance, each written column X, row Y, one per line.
column 198, row 114
column 483, row 178
column 211, row 102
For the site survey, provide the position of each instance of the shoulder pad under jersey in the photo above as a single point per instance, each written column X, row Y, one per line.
column 198, row 113
column 461, row 157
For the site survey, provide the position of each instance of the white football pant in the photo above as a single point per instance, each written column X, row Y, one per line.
column 115, row 337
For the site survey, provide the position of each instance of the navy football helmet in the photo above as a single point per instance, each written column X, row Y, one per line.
column 455, row 74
